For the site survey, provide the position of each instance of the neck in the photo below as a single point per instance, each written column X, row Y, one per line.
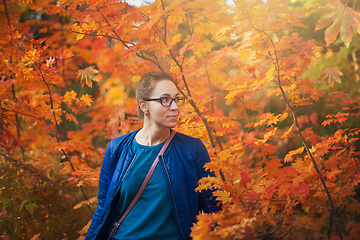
column 152, row 136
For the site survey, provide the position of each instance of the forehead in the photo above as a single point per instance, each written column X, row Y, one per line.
column 164, row 87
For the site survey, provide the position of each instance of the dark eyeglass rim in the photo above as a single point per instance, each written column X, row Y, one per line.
column 172, row 99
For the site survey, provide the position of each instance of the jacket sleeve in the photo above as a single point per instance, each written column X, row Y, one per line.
column 103, row 189
column 207, row 202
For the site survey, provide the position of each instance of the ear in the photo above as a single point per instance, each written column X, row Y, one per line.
column 143, row 106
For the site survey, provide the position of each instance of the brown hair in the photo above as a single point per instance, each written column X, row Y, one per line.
column 147, row 84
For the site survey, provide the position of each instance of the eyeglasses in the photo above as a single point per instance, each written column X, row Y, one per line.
column 167, row 101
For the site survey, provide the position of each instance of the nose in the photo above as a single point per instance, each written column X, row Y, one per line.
column 173, row 105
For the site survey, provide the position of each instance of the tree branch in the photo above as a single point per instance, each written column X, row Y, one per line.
column 277, row 67
column 35, row 172
column 155, row 62
column 38, row 67
column 141, row 55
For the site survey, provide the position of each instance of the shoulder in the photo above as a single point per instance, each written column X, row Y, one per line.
column 186, row 139
column 187, row 142
column 123, row 141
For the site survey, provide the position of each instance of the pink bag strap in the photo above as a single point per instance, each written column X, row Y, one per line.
column 142, row 188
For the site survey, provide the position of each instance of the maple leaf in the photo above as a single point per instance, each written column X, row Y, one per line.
column 71, row 117
column 342, row 19
column 288, row 131
column 223, row 196
column 288, row 157
column 332, row 75
column 87, row 202
column 269, row 134
column 87, row 75
column 86, row 99
column 69, row 96
column 66, row 53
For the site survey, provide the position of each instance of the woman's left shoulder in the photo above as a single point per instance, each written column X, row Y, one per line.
column 186, row 138
column 188, row 141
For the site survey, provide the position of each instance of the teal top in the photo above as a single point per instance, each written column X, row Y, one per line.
column 151, row 217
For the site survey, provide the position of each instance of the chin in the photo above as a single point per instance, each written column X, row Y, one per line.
column 171, row 125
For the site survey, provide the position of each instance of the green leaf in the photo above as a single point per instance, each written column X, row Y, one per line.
column 22, row 204
column 5, row 202
column 31, row 207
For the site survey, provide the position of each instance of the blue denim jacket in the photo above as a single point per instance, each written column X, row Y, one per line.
column 182, row 165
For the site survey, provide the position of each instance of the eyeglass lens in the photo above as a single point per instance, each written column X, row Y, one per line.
column 167, row 101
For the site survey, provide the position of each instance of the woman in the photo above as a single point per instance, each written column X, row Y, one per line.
column 168, row 206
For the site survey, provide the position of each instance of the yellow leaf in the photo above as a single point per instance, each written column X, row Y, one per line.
column 87, row 202
column 223, row 196
column 203, row 47
column 288, row 157
column 288, row 131
column 86, row 99
column 269, row 134
column 69, row 96
column 283, row 116
column 79, row 36
column 176, row 39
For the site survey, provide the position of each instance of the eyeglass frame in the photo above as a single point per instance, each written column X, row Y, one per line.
column 172, row 100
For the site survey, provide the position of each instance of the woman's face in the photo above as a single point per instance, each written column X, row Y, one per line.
column 163, row 117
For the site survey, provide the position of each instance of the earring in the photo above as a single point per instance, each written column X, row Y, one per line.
column 146, row 114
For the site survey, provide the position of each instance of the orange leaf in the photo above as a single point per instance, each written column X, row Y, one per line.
column 87, row 75
column 342, row 19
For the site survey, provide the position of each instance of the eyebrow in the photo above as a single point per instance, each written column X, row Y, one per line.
column 167, row 94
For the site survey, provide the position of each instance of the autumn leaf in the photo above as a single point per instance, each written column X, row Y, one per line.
column 223, row 196
column 332, row 75
column 86, row 99
column 70, row 96
column 66, row 53
column 286, row 134
column 342, row 19
column 36, row 236
column 87, row 202
column 87, row 75
column 269, row 134
column 71, row 117
column 230, row 61
column 289, row 157
column 203, row 47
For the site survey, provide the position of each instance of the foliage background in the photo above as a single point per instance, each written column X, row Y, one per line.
column 272, row 89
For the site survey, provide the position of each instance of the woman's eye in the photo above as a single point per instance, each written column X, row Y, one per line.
column 165, row 99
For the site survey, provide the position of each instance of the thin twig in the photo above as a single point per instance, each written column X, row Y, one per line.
column 304, row 141
column 140, row 55
column 277, row 67
column 53, row 112
column 35, row 172
column 155, row 62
